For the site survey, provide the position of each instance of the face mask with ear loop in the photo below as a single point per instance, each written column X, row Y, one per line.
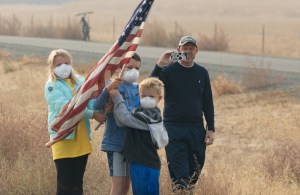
column 63, row 71
column 131, row 75
column 148, row 102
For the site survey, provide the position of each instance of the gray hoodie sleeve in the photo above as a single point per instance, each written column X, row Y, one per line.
column 124, row 118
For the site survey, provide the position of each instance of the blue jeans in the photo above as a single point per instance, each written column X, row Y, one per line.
column 185, row 153
column 144, row 180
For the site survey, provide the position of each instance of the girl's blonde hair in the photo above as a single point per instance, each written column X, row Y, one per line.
column 50, row 61
column 153, row 83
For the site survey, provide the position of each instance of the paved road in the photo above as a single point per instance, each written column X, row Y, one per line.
column 209, row 58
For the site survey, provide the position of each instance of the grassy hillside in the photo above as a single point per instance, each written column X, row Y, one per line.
column 256, row 150
column 241, row 21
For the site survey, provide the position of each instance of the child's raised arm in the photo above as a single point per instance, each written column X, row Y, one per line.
column 123, row 116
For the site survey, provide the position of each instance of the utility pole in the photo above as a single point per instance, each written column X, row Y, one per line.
column 114, row 28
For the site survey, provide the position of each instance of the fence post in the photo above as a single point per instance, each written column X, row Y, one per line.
column 31, row 25
column 216, row 31
column 114, row 28
column 263, row 40
column 176, row 29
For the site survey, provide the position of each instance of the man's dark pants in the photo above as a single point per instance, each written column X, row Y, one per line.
column 185, row 153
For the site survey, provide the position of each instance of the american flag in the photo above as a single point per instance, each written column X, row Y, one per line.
column 118, row 55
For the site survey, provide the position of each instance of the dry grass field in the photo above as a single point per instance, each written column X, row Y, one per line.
column 242, row 21
column 256, row 151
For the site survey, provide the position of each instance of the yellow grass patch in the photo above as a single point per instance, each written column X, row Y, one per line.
column 256, row 150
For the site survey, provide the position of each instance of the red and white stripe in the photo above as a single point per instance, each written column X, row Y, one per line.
column 116, row 57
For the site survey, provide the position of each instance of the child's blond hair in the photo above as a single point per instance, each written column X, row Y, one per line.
column 50, row 61
column 154, row 83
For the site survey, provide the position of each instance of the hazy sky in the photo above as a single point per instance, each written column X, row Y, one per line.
column 37, row 2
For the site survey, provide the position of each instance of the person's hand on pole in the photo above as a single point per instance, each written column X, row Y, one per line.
column 116, row 82
column 99, row 117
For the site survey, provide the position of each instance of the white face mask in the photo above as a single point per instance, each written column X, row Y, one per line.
column 63, row 71
column 131, row 75
column 148, row 102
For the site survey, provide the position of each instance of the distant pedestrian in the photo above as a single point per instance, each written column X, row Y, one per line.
column 85, row 28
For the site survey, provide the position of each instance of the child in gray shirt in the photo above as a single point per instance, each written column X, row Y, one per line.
column 145, row 135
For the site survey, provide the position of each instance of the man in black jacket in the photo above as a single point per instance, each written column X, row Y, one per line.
column 188, row 96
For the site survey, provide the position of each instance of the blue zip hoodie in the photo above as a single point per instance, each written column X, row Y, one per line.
column 114, row 136
column 58, row 93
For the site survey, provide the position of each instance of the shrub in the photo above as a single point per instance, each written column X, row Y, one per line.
column 218, row 42
column 8, row 66
column 283, row 160
column 222, row 85
column 69, row 30
column 175, row 36
column 10, row 27
column 24, row 160
column 257, row 76
column 155, row 34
